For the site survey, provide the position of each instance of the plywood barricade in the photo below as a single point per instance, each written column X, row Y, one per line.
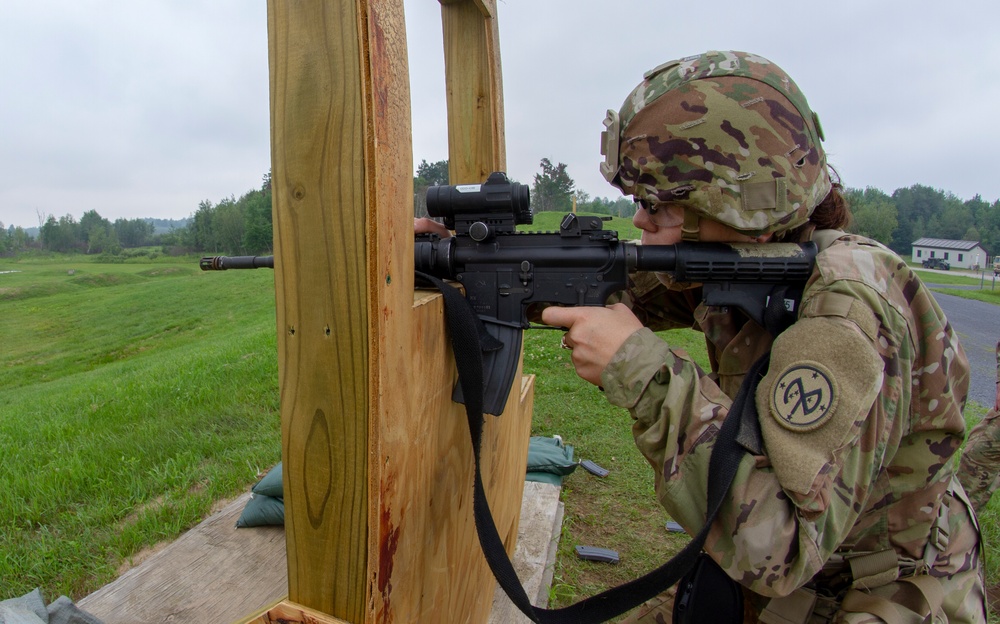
column 377, row 459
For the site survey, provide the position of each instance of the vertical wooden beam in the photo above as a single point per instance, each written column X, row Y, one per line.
column 377, row 460
column 342, row 174
column 474, row 83
column 477, row 147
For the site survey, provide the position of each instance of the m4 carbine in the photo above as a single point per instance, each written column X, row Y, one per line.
column 506, row 274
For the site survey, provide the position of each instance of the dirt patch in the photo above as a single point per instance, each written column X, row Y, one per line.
column 138, row 558
column 141, row 556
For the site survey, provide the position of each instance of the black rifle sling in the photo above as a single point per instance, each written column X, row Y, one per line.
column 725, row 460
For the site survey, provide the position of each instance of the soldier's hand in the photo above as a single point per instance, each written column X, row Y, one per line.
column 594, row 335
column 423, row 225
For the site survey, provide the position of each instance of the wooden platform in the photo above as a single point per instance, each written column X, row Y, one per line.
column 217, row 573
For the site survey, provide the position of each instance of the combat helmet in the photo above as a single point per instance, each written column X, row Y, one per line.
column 727, row 135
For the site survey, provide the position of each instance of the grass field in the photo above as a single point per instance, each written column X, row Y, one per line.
column 132, row 397
column 135, row 396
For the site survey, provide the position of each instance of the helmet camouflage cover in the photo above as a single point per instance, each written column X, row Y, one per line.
column 727, row 135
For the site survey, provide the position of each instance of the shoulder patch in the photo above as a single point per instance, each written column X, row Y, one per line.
column 824, row 379
column 803, row 397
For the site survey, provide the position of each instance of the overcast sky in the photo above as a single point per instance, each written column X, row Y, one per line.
column 144, row 108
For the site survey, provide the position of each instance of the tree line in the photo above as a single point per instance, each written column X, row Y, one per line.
column 232, row 226
column 243, row 226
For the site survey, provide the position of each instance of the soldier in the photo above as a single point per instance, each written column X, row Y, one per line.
column 852, row 511
column 980, row 466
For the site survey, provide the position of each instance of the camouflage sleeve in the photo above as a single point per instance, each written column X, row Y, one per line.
column 656, row 306
column 979, row 470
column 788, row 511
column 660, row 386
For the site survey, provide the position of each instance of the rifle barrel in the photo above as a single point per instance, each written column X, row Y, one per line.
column 222, row 263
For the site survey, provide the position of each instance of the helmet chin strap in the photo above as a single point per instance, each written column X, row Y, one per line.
column 691, row 230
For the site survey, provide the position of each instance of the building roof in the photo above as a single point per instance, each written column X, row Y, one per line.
column 943, row 243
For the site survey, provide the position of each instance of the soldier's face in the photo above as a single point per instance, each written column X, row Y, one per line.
column 661, row 225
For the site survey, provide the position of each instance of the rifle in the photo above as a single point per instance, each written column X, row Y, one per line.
column 506, row 274
column 222, row 263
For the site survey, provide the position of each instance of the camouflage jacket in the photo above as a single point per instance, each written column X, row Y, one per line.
column 861, row 414
column 980, row 467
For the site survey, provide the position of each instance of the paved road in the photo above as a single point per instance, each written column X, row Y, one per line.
column 978, row 327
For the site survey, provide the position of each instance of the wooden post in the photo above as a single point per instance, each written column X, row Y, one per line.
column 474, row 90
column 377, row 459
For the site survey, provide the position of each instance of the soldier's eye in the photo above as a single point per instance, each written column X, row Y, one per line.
column 647, row 206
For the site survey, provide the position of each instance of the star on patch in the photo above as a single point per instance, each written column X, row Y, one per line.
column 802, row 397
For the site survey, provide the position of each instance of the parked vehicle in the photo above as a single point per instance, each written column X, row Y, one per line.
column 938, row 263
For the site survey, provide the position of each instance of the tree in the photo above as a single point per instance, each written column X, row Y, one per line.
column 553, row 188
column 434, row 174
column 428, row 174
column 133, row 232
column 989, row 227
column 97, row 232
column 229, row 226
column 955, row 218
column 916, row 204
column 103, row 241
column 874, row 214
column 258, row 236
column 199, row 235
column 16, row 239
column 620, row 207
column 61, row 235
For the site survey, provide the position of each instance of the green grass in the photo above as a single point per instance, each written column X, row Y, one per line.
column 983, row 288
column 549, row 222
column 132, row 397
column 988, row 296
column 619, row 511
column 964, row 278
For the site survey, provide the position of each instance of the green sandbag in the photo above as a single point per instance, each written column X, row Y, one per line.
column 549, row 460
column 262, row 510
column 270, row 485
column 266, row 506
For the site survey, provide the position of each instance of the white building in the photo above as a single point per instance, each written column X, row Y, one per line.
column 960, row 254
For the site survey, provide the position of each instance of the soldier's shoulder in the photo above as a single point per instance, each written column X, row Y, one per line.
column 861, row 263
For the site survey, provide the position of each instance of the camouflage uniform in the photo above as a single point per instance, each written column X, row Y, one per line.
column 858, row 452
column 861, row 408
column 980, row 467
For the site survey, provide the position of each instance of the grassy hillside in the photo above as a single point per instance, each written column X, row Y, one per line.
column 132, row 396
